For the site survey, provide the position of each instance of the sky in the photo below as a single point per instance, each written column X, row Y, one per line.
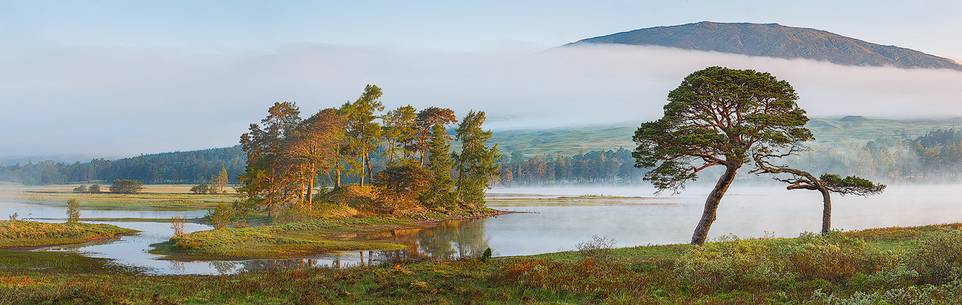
column 121, row 78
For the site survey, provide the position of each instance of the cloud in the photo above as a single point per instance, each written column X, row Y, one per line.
column 114, row 101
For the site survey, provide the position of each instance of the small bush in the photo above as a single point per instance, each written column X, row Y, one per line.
column 125, row 186
column 177, row 224
column 898, row 276
column 937, row 256
column 94, row 188
column 80, row 189
column 202, row 188
column 73, row 211
column 220, row 216
column 597, row 247
column 830, row 257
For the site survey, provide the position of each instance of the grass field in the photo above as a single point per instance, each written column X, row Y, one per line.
column 35, row 234
column 153, row 197
column 883, row 266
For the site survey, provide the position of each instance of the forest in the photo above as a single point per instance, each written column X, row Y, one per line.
column 163, row 168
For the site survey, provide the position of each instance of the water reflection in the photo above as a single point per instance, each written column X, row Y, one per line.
column 549, row 227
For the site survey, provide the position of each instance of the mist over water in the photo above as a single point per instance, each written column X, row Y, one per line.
column 161, row 96
column 746, row 211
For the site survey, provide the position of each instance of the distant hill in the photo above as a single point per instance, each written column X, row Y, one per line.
column 774, row 40
column 170, row 167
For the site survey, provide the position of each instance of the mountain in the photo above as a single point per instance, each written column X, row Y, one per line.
column 774, row 40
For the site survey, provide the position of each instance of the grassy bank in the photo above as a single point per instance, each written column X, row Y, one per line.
column 35, row 234
column 886, row 266
column 153, row 197
column 286, row 240
column 296, row 239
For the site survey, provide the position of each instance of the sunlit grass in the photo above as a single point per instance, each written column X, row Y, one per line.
column 34, row 234
column 839, row 269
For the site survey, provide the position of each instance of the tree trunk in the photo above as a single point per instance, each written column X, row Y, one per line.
column 826, row 210
column 363, row 160
column 711, row 205
column 337, row 176
column 310, row 187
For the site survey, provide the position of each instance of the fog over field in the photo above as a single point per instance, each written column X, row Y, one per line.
column 127, row 101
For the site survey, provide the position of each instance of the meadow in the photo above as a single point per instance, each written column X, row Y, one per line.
column 158, row 197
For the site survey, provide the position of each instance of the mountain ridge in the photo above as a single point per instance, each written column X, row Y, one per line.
column 775, row 40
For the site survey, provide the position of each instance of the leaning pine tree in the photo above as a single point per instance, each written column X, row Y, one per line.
column 826, row 184
column 716, row 118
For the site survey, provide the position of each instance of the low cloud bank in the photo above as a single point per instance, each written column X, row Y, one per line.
column 128, row 101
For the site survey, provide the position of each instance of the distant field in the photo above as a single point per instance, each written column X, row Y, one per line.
column 153, row 197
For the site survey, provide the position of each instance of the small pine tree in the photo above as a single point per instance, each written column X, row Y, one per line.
column 73, row 211
column 218, row 184
column 438, row 194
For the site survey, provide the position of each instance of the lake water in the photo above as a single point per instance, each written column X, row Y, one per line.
column 546, row 225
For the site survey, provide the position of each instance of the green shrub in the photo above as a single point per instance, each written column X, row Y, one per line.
column 220, row 216
column 832, row 257
column 125, row 186
column 738, row 264
column 896, row 277
column 937, row 256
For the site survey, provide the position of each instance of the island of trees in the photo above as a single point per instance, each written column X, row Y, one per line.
column 359, row 158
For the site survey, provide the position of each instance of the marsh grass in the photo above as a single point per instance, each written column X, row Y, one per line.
column 284, row 240
column 35, row 234
column 875, row 267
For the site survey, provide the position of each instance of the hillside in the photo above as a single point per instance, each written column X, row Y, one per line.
column 774, row 40
column 827, row 130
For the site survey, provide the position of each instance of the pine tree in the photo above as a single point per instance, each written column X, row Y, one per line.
column 218, row 183
column 477, row 163
column 438, row 194
column 363, row 133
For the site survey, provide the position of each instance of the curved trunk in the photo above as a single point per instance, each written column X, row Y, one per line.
column 711, row 205
column 826, row 210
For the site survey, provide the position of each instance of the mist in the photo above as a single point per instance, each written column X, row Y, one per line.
column 126, row 101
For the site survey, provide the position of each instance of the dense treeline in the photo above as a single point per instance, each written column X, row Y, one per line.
column 172, row 167
column 608, row 166
column 934, row 156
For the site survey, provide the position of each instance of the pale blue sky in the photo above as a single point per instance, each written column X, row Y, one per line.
column 109, row 78
column 930, row 26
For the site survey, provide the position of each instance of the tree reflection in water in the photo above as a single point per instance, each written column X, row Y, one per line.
column 447, row 240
